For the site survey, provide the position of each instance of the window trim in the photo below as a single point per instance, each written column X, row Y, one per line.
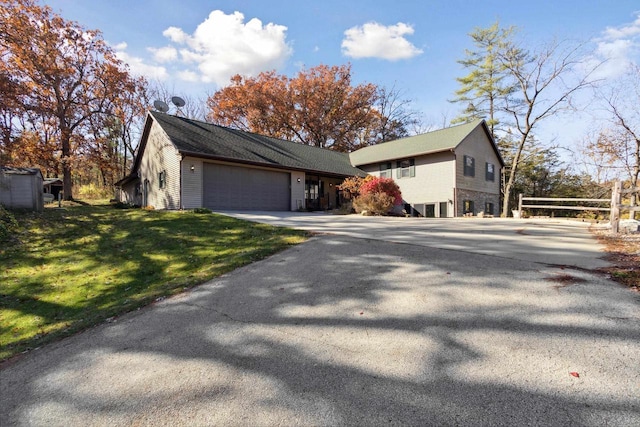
column 162, row 179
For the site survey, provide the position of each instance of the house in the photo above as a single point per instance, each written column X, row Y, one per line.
column 21, row 188
column 449, row 172
column 184, row 164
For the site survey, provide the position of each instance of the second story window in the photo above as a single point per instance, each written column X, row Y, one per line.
column 406, row 168
column 490, row 172
column 385, row 170
column 469, row 166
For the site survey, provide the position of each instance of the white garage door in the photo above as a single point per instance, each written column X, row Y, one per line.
column 237, row 188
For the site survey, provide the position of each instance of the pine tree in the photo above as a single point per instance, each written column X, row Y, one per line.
column 487, row 84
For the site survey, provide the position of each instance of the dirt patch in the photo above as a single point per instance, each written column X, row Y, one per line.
column 564, row 280
column 623, row 251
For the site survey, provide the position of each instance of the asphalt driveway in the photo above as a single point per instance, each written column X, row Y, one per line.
column 362, row 328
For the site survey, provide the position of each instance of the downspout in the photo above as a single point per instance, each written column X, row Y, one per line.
column 181, row 183
column 455, row 184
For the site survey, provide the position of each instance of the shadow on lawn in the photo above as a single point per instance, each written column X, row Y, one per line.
column 343, row 331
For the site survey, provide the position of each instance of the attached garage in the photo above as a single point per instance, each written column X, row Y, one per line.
column 227, row 187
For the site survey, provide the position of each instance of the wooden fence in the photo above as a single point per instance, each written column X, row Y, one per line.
column 613, row 205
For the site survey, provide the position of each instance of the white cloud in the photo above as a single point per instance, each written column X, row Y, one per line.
column 224, row 45
column 188, row 75
column 373, row 40
column 138, row 66
column 164, row 54
column 616, row 50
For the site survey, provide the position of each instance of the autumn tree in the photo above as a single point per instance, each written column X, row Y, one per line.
column 63, row 77
column 319, row 107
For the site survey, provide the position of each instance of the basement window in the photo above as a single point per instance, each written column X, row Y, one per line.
column 468, row 208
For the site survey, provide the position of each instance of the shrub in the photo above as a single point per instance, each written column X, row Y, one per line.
column 382, row 185
column 350, row 187
column 374, row 203
column 202, row 211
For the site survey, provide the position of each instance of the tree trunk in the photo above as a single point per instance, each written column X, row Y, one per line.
column 512, row 177
column 67, row 185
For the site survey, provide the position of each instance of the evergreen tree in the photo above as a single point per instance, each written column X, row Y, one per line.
column 483, row 90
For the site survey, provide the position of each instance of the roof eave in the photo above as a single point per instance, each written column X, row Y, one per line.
column 251, row 163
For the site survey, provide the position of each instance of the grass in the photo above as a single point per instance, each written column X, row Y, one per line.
column 65, row 270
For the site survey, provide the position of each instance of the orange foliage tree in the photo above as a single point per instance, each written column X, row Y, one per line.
column 318, row 107
column 63, row 81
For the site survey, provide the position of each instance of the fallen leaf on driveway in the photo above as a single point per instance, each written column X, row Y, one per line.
column 574, row 374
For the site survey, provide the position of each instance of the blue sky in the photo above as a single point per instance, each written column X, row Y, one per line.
column 195, row 46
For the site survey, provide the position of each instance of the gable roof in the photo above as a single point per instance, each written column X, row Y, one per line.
column 200, row 139
column 446, row 139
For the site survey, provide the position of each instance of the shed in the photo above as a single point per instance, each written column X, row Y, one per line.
column 21, row 188
column 53, row 186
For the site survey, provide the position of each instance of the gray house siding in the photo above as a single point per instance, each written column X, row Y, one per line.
column 475, row 192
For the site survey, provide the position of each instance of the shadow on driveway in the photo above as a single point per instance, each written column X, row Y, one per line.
column 347, row 331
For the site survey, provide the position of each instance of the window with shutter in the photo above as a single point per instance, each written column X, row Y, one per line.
column 490, row 172
column 406, row 168
column 469, row 166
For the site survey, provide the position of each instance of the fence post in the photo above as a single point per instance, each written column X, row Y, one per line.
column 520, row 205
column 614, row 217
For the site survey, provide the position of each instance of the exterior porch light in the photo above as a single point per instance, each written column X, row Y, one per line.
column 193, row 168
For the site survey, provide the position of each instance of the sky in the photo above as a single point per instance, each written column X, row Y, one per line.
column 194, row 46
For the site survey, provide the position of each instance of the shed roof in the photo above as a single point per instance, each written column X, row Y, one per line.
column 8, row 170
column 427, row 143
column 201, row 139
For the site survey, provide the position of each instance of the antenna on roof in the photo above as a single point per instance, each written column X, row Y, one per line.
column 160, row 106
column 178, row 102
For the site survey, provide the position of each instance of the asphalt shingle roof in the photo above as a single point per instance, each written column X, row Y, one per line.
column 426, row 143
column 198, row 138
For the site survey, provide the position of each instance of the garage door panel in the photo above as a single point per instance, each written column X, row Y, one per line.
column 237, row 188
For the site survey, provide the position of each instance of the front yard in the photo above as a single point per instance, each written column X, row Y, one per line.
column 67, row 269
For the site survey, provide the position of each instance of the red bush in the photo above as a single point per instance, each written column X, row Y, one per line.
column 382, row 185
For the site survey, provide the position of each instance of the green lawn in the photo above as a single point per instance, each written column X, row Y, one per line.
column 74, row 267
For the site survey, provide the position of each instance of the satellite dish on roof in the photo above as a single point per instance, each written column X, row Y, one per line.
column 161, row 106
column 177, row 101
